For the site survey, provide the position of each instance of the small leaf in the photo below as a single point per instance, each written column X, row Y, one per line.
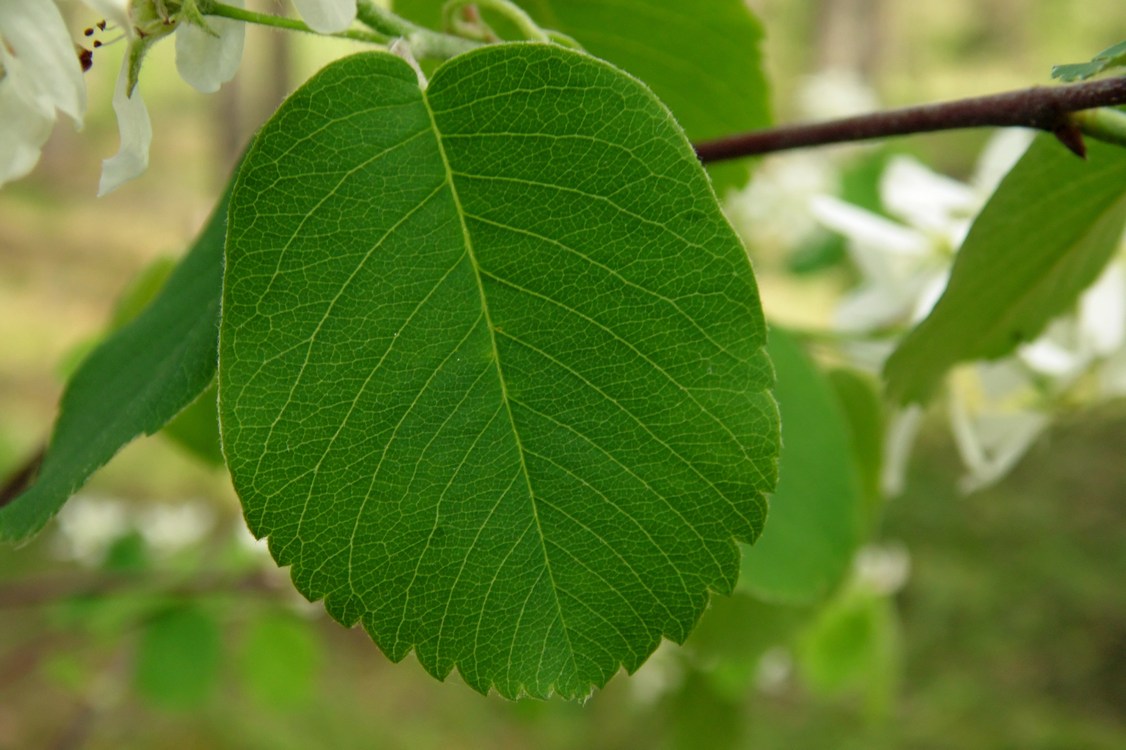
column 280, row 657
column 492, row 376
column 1043, row 238
column 1111, row 57
column 178, row 658
column 702, row 59
column 132, row 384
column 815, row 511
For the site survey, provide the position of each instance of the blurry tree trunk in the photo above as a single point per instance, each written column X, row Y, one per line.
column 849, row 35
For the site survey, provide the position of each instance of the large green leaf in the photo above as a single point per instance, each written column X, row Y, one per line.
column 703, row 59
column 491, row 374
column 815, row 513
column 1043, row 238
column 134, row 382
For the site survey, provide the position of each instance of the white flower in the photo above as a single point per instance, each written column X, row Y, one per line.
column 39, row 75
column 327, row 16
column 87, row 526
column 208, row 60
column 996, row 413
column 205, row 58
column 171, row 528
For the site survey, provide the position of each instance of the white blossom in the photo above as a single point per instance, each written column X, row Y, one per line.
column 39, row 76
column 170, row 528
column 327, row 16
column 208, row 58
column 205, row 57
column 135, row 129
column 87, row 526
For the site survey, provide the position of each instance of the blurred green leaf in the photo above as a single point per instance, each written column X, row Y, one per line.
column 699, row 717
column 127, row 554
column 815, row 511
column 515, row 416
column 853, row 647
column 1111, row 57
column 702, row 59
column 280, row 658
column 858, row 396
column 132, row 384
column 196, row 428
column 177, row 661
column 735, row 632
column 1043, row 238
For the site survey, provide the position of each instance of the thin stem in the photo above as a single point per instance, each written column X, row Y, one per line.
column 423, row 42
column 289, row 24
column 1043, row 108
column 529, row 28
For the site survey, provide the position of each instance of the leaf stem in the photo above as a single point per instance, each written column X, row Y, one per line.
column 1041, row 107
column 424, row 43
column 529, row 28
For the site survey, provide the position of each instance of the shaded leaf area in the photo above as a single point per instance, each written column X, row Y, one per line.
column 815, row 512
column 1044, row 237
column 492, row 376
column 132, row 383
column 196, row 428
column 702, row 59
column 1110, row 58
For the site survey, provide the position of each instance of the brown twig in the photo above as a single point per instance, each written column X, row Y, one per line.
column 21, row 478
column 1041, row 107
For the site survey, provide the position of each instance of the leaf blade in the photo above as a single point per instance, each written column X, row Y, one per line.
column 509, row 372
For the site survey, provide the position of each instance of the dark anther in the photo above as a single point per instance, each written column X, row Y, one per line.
column 85, row 58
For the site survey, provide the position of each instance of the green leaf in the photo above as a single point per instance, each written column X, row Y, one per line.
column 1043, row 238
column 280, row 657
column 808, row 543
column 858, row 396
column 1111, row 57
column 133, row 383
column 703, row 59
column 177, row 662
column 492, row 376
column 737, row 630
column 196, row 428
column 853, row 646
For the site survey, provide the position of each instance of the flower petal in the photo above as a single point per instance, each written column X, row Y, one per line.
column 25, row 122
column 36, row 34
column 206, row 61
column 136, row 135
column 327, row 16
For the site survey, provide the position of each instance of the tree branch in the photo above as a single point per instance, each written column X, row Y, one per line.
column 1041, row 107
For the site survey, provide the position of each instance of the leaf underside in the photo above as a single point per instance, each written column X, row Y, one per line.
column 492, row 377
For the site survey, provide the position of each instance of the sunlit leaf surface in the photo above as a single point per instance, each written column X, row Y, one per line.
column 492, row 377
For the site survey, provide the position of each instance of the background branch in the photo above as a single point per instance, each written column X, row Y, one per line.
column 1041, row 107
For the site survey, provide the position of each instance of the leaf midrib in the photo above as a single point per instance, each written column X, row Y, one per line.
column 472, row 256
